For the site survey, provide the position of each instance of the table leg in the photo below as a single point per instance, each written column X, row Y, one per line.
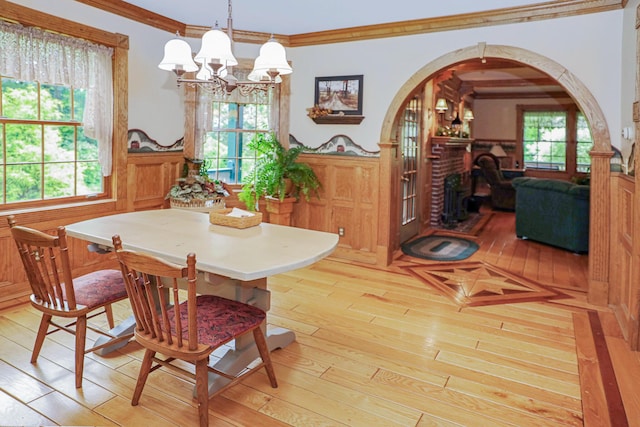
column 125, row 328
column 235, row 360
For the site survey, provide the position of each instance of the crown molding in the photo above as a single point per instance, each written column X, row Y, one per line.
column 33, row 18
column 541, row 11
column 537, row 12
column 138, row 14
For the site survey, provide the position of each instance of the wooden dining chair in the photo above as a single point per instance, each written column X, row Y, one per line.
column 57, row 294
column 185, row 326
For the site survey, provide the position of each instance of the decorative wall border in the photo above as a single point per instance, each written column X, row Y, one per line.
column 340, row 145
column 138, row 141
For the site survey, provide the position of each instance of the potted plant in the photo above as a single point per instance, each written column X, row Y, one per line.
column 277, row 173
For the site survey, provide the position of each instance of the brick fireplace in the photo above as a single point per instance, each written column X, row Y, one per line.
column 449, row 156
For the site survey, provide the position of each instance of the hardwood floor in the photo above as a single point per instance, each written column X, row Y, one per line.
column 374, row 347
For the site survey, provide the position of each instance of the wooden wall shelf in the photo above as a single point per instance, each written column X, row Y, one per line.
column 337, row 119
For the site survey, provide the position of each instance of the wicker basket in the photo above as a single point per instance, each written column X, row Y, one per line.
column 202, row 205
column 221, row 217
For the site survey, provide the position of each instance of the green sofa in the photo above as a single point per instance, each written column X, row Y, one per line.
column 553, row 212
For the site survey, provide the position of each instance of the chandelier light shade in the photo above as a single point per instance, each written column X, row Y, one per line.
column 216, row 50
column 468, row 115
column 177, row 57
column 271, row 62
column 216, row 61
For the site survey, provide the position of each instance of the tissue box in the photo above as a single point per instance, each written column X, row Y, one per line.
column 221, row 217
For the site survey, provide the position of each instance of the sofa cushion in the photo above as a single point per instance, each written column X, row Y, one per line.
column 553, row 212
column 554, row 185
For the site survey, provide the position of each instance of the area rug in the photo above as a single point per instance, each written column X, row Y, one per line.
column 440, row 248
column 472, row 284
column 471, row 226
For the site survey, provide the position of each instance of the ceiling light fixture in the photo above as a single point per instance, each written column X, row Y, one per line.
column 216, row 60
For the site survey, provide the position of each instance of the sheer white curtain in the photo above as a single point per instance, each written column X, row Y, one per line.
column 31, row 54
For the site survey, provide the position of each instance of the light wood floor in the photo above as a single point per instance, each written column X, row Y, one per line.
column 374, row 347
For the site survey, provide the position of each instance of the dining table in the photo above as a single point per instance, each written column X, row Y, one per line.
column 231, row 262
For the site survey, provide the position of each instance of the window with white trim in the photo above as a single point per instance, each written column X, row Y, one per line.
column 555, row 139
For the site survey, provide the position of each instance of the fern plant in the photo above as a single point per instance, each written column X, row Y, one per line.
column 276, row 166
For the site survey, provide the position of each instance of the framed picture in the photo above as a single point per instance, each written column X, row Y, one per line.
column 340, row 94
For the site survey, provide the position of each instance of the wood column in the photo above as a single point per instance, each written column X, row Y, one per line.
column 599, row 227
column 388, row 215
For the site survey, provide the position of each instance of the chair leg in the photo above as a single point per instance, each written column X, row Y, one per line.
column 145, row 368
column 42, row 333
column 81, row 335
column 202, row 391
column 263, row 349
column 109, row 313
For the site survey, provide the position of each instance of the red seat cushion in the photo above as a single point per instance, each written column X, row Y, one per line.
column 219, row 319
column 99, row 287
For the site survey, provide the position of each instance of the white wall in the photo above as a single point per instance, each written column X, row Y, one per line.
column 629, row 69
column 497, row 118
column 590, row 46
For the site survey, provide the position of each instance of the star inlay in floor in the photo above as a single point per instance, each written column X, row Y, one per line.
column 478, row 283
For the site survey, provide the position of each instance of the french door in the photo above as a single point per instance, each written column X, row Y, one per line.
column 410, row 137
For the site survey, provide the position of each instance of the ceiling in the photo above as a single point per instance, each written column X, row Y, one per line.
column 289, row 17
column 299, row 16
column 499, row 79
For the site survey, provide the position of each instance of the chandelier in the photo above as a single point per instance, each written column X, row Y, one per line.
column 216, row 60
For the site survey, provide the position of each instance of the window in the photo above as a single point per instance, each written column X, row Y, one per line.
column 45, row 154
column 233, row 125
column 555, row 139
column 584, row 145
column 56, row 115
column 545, row 140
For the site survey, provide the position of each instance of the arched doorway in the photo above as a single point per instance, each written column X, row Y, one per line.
column 390, row 158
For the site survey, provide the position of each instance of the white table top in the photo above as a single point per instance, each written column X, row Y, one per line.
column 242, row 254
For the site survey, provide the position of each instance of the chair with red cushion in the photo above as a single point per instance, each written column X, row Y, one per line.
column 56, row 293
column 184, row 326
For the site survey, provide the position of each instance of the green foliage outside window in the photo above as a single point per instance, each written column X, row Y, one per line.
column 584, row 145
column 45, row 153
column 545, row 140
column 545, row 136
column 226, row 146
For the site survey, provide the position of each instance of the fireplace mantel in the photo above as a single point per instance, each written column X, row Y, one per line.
column 451, row 141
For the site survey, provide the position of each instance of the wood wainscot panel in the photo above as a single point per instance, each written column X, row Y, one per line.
column 349, row 200
column 150, row 176
column 624, row 293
